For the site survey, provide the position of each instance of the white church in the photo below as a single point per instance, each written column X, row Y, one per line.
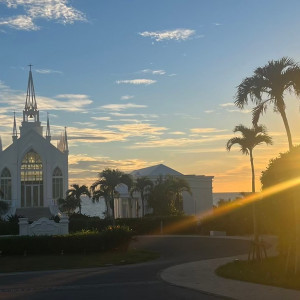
column 33, row 172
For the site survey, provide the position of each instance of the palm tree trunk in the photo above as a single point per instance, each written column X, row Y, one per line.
column 287, row 127
column 255, row 231
column 143, row 206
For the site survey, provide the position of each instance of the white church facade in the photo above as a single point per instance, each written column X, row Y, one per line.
column 33, row 172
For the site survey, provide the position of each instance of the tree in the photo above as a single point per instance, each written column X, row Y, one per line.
column 108, row 181
column 283, row 210
column 251, row 137
column 68, row 205
column 142, row 185
column 178, row 185
column 165, row 195
column 267, row 86
column 76, row 192
column 99, row 192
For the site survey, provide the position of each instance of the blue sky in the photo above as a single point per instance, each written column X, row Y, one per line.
column 142, row 82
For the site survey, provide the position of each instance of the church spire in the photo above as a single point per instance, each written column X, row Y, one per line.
column 66, row 141
column 48, row 134
column 30, row 110
column 31, row 115
column 15, row 133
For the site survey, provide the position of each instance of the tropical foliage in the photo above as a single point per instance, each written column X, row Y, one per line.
column 283, row 209
column 74, row 194
column 165, row 197
column 251, row 137
column 142, row 185
column 108, row 180
column 267, row 86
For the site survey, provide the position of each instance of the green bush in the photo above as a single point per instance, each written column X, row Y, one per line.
column 112, row 238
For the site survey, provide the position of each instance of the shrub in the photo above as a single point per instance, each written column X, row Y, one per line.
column 112, row 238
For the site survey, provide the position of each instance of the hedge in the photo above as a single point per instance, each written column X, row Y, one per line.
column 112, row 238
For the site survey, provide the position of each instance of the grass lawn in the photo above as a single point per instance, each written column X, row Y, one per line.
column 270, row 272
column 56, row 262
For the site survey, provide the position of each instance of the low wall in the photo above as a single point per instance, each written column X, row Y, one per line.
column 44, row 226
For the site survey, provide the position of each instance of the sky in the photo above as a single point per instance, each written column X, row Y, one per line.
column 143, row 82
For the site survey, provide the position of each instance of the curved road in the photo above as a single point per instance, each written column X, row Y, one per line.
column 141, row 281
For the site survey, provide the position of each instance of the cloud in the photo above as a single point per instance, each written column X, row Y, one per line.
column 19, row 23
column 227, row 104
column 84, row 169
column 242, row 111
column 102, row 118
column 137, row 81
column 154, row 72
column 119, row 107
column 127, row 97
column 139, row 129
column 179, row 142
column 180, row 34
column 47, row 71
column 15, row 100
column 209, row 111
column 206, row 130
column 177, row 132
column 58, row 10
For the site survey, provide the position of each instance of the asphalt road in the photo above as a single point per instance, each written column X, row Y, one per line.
column 141, row 281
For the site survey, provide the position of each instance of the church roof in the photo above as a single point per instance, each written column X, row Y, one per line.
column 156, row 171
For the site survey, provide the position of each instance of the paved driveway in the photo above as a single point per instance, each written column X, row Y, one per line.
column 141, row 281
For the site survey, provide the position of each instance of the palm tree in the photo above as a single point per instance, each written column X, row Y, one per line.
column 76, row 192
column 251, row 137
column 178, row 186
column 141, row 185
column 108, row 180
column 99, row 192
column 68, row 205
column 268, row 85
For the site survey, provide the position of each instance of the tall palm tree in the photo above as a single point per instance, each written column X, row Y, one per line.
column 178, row 186
column 76, row 191
column 99, row 192
column 267, row 86
column 108, row 180
column 251, row 137
column 141, row 185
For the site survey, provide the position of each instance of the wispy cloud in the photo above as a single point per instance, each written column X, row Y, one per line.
column 177, row 133
column 206, row 130
column 119, row 107
column 47, row 71
column 139, row 129
column 137, row 81
column 58, row 10
column 209, row 111
column 227, row 104
column 180, row 34
column 102, row 118
column 154, row 72
column 127, row 97
column 14, row 100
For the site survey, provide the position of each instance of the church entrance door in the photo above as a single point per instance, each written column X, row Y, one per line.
column 33, row 195
column 32, row 180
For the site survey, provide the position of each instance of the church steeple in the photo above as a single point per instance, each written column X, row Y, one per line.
column 15, row 133
column 48, row 134
column 30, row 110
column 31, row 116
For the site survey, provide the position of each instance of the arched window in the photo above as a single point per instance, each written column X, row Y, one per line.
column 32, row 180
column 6, row 184
column 57, row 184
